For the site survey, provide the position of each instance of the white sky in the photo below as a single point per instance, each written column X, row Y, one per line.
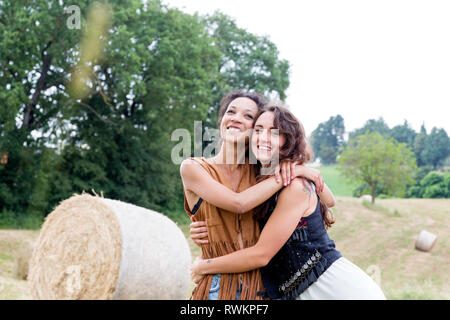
column 361, row 59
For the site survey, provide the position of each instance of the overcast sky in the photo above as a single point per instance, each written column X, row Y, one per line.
column 360, row 59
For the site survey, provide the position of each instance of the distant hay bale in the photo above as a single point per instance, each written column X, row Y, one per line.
column 425, row 241
column 95, row 248
column 22, row 260
column 366, row 197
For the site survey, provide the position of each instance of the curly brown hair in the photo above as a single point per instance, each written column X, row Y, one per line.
column 229, row 97
column 295, row 148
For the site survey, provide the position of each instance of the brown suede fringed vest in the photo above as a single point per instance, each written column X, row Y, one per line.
column 223, row 229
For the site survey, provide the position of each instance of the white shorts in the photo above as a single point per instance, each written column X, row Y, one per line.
column 343, row 280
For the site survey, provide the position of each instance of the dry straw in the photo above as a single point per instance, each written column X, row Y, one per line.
column 95, row 248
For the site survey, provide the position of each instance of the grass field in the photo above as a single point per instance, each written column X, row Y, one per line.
column 379, row 237
column 10, row 246
column 336, row 182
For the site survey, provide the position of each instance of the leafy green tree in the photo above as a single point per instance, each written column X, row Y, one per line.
column 419, row 145
column 431, row 179
column 328, row 138
column 156, row 75
column 248, row 62
column 415, row 190
column 436, row 191
column 374, row 160
column 437, row 147
column 372, row 125
column 435, row 185
column 159, row 69
column 404, row 134
column 36, row 53
column 153, row 75
column 432, row 185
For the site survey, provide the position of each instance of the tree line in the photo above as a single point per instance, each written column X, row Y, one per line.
column 158, row 69
column 387, row 161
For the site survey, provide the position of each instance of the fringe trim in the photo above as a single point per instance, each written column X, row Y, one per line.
column 304, row 277
column 229, row 282
column 299, row 234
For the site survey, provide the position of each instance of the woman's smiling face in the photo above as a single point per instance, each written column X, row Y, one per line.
column 238, row 119
column 266, row 140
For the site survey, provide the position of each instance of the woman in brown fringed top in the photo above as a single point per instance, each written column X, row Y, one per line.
column 222, row 191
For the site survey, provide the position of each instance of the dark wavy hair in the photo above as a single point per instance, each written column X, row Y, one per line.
column 229, row 97
column 295, row 148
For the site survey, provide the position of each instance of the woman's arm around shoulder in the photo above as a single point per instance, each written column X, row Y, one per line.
column 197, row 179
column 327, row 197
column 293, row 203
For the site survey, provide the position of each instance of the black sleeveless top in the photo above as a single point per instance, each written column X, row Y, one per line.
column 303, row 258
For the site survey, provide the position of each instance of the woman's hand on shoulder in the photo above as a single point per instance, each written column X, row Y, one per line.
column 285, row 171
column 311, row 174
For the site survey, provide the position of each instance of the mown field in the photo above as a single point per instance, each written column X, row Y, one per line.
column 379, row 237
column 382, row 237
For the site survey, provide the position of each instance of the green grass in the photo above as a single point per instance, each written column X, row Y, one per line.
column 336, row 182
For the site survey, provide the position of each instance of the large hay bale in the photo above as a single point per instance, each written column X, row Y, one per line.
column 425, row 241
column 365, row 197
column 95, row 248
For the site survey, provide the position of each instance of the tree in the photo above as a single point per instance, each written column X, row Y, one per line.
column 377, row 160
column 248, row 62
column 153, row 75
column 328, row 138
column 159, row 69
column 419, row 145
column 372, row 125
column 437, row 147
column 36, row 53
column 433, row 185
column 156, row 76
column 404, row 134
column 415, row 190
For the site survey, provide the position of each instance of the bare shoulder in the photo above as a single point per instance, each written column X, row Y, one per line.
column 189, row 167
column 297, row 190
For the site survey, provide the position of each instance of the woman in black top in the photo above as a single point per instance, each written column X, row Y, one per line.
column 297, row 258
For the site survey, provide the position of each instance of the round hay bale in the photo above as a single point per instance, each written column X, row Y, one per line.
column 95, row 248
column 365, row 197
column 425, row 241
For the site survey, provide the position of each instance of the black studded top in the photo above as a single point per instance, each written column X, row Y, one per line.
column 304, row 257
